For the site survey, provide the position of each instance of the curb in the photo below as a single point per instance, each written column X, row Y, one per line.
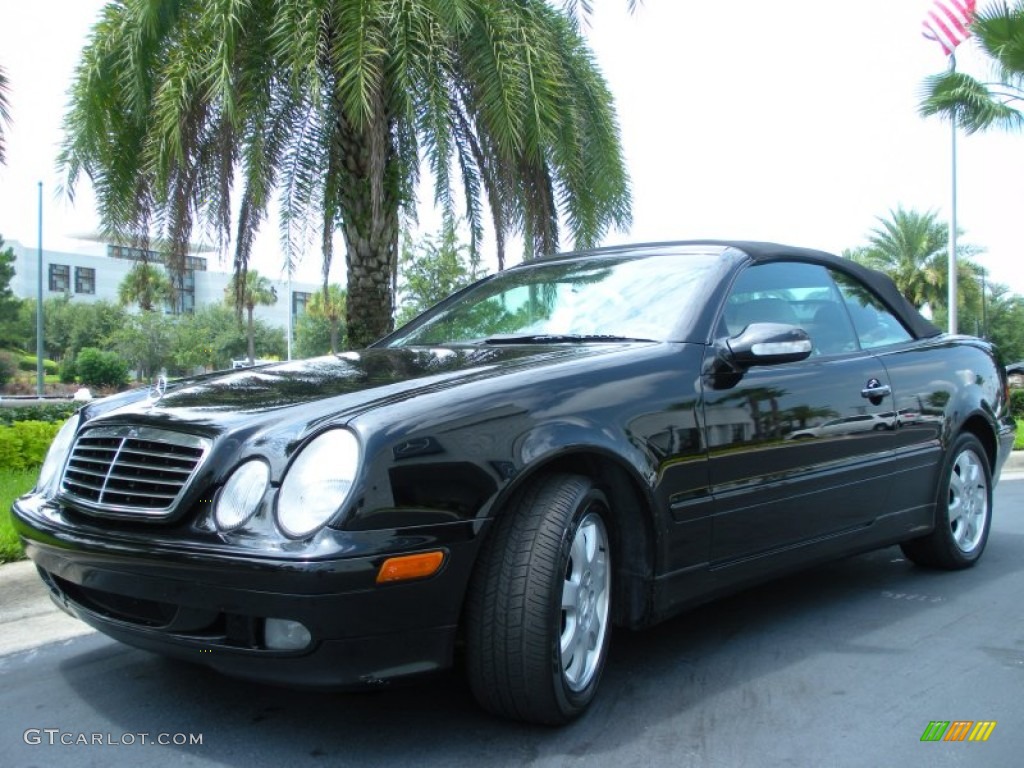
column 1014, row 462
column 28, row 618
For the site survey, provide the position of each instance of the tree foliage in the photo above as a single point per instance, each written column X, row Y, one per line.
column 433, row 268
column 5, row 115
column 68, row 325
column 211, row 338
column 249, row 290
column 101, row 368
column 913, row 249
column 328, row 305
column 8, row 302
column 998, row 29
column 312, row 335
column 144, row 343
column 146, row 285
column 334, row 106
column 1001, row 320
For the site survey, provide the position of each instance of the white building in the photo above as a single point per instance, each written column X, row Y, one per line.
column 89, row 277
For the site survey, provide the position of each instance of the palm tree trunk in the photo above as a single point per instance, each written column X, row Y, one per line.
column 371, row 237
column 334, row 335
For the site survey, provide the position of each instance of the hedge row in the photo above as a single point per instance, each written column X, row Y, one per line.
column 31, row 363
column 23, row 445
column 1017, row 403
column 55, row 413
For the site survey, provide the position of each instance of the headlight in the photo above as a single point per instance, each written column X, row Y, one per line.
column 241, row 495
column 56, row 456
column 317, row 483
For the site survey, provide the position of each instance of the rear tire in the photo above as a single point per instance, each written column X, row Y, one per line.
column 963, row 510
column 538, row 614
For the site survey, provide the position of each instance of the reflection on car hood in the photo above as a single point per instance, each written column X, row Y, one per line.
column 345, row 383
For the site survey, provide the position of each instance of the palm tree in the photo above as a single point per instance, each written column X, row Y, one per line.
column 329, row 304
column 912, row 248
column 999, row 31
column 5, row 114
column 146, row 285
column 335, row 105
column 253, row 290
column 905, row 246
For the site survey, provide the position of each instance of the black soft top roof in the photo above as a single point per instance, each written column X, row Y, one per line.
column 763, row 252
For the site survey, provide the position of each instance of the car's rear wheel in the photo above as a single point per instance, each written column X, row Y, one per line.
column 539, row 609
column 963, row 510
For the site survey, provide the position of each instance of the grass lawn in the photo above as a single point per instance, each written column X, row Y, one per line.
column 12, row 485
column 1018, row 443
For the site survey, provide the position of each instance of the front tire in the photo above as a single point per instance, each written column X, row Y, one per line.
column 538, row 614
column 963, row 513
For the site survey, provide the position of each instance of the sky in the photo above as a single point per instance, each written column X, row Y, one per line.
column 794, row 122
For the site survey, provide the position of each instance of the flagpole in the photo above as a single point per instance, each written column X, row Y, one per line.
column 952, row 216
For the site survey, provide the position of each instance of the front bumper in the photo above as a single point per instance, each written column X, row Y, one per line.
column 211, row 607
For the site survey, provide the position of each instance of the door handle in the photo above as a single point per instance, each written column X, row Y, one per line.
column 875, row 390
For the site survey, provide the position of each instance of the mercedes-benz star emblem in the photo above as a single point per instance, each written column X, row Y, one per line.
column 157, row 389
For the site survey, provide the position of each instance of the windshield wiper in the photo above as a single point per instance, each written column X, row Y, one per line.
column 559, row 338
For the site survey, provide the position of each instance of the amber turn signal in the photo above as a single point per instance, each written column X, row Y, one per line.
column 407, row 567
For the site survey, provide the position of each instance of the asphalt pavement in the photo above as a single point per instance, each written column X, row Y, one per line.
column 29, row 619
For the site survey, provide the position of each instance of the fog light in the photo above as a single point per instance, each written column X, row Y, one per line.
column 285, row 635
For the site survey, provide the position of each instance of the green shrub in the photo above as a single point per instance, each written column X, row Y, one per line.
column 97, row 368
column 1017, row 403
column 67, row 370
column 53, row 413
column 8, row 367
column 28, row 363
column 23, row 445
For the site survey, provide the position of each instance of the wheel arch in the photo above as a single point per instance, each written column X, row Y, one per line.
column 979, row 426
column 633, row 528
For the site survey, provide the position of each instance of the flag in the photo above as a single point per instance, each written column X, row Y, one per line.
column 947, row 23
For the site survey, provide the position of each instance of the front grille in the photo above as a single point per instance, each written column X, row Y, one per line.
column 127, row 471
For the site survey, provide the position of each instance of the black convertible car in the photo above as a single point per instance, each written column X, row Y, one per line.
column 582, row 441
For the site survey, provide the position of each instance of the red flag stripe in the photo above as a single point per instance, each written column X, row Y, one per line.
column 948, row 22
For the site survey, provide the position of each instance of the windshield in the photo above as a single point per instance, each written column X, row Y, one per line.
column 606, row 299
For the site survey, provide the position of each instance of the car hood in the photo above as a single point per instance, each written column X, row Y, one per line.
column 334, row 387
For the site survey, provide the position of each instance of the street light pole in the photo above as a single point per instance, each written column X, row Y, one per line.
column 291, row 304
column 39, row 302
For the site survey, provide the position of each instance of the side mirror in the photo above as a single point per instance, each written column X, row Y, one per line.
column 768, row 344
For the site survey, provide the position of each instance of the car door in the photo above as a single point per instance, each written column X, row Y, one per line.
column 923, row 379
column 794, row 449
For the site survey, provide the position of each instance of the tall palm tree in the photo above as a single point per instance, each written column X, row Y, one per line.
column 912, row 248
column 999, row 30
column 146, row 285
column 329, row 304
column 335, row 104
column 250, row 291
column 5, row 114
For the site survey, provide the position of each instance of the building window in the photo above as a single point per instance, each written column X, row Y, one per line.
column 299, row 301
column 60, row 278
column 85, row 280
column 195, row 263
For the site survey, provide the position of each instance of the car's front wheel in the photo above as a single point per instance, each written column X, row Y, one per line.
column 963, row 510
column 539, row 609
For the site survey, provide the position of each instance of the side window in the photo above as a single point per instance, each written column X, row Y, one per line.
column 792, row 293
column 876, row 326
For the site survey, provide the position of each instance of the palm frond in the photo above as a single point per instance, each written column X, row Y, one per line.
column 5, row 112
column 970, row 102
